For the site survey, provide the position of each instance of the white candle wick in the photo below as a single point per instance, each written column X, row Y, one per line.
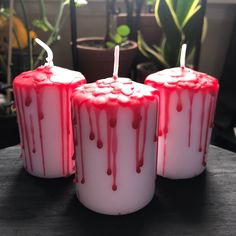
column 183, row 55
column 48, row 50
column 116, row 61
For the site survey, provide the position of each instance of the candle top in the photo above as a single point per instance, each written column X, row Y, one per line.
column 181, row 77
column 47, row 75
column 112, row 91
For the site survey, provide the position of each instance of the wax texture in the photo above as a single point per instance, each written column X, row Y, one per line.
column 187, row 106
column 42, row 99
column 115, row 121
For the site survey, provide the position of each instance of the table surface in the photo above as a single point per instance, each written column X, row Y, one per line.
column 205, row 205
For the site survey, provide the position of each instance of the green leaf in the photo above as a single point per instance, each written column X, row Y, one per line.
column 191, row 32
column 164, row 12
column 192, row 11
column 183, row 8
column 123, row 30
column 151, row 53
column 117, row 39
column 110, row 44
column 40, row 24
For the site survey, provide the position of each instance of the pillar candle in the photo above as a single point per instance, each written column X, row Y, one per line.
column 42, row 98
column 187, row 105
column 114, row 123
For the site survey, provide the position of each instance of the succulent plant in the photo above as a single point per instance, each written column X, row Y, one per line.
column 179, row 21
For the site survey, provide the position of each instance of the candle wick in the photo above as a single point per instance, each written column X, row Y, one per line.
column 116, row 61
column 183, row 55
column 48, row 50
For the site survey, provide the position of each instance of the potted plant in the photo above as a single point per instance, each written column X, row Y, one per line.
column 95, row 54
column 16, row 56
column 179, row 21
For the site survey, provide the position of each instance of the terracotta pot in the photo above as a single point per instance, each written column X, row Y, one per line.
column 97, row 63
column 144, row 69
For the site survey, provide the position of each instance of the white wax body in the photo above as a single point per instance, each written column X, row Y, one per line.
column 94, row 186
column 187, row 106
column 177, row 159
column 47, row 142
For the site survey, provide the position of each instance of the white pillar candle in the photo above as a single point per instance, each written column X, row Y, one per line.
column 114, row 130
column 42, row 98
column 187, row 105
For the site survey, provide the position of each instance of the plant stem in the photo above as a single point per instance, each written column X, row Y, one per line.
column 28, row 35
column 43, row 15
column 54, row 34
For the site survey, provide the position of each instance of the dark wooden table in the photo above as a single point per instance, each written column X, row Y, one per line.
column 205, row 205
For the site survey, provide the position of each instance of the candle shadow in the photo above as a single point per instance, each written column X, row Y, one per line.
column 180, row 203
column 29, row 197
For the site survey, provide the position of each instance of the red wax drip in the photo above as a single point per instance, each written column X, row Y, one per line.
column 136, row 126
column 68, row 131
column 91, row 135
column 109, row 131
column 32, row 133
column 141, row 162
column 26, row 134
column 28, row 101
column 166, row 126
column 202, row 120
column 20, row 120
column 209, row 112
column 81, row 147
column 190, row 117
column 179, row 106
column 114, row 153
column 39, row 102
column 99, row 141
column 62, row 133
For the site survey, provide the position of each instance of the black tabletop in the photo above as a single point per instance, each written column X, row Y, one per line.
column 205, row 205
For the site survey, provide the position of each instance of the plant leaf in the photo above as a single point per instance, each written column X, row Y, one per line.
column 151, row 53
column 192, row 33
column 184, row 7
column 40, row 24
column 171, row 29
column 110, row 44
column 123, row 30
column 117, row 39
column 192, row 11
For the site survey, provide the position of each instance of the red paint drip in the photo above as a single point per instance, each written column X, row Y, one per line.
column 81, row 147
column 62, row 133
column 190, row 117
column 202, row 121
column 179, row 106
column 32, row 133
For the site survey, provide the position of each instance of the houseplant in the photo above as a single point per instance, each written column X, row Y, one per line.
column 22, row 47
column 179, row 21
column 95, row 54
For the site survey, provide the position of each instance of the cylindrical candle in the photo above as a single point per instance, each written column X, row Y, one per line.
column 42, row 98
column 187, row 105
column 114, row 122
